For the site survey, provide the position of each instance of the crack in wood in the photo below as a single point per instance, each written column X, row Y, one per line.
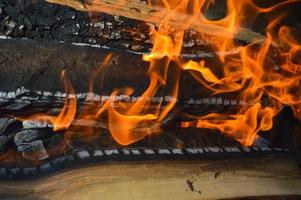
column 135, row 9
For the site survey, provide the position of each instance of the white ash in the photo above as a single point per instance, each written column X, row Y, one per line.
column 213, row 149
column 135, row 152
column 232, row 149
column 13, row 95
column 126, row 152
column 111, row 152
column 98, row 153
column 36, row 124
column 3, row 37
column 163, row 151
column 149, row 151
column 30, row 124
column 83, row 154
column 187, row 56
column 88, row 45
column 177, row 151
column 194, row 150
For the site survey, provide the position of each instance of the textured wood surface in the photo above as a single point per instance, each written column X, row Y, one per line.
column 37, row 66
column 203, row 179
column 135, row 9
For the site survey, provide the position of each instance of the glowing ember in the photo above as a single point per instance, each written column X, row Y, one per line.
column 249, row 72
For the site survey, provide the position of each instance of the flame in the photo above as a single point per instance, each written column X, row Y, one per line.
column 262, row 84
column 67, row 114
column 252, row 77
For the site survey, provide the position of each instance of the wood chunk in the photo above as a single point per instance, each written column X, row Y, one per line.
column 135, row 9
column 28, row 135
column 33, row 151
column 4, row 141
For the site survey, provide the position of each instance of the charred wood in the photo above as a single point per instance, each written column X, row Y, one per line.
column 37, row 66
column 138, row 10
column 42, row 21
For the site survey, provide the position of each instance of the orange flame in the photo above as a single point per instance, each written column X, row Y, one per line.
column 67, row 114
column 250, row 72
column 253, row 77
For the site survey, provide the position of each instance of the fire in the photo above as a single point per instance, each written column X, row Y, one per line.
column 67, row 114
column 265, row 72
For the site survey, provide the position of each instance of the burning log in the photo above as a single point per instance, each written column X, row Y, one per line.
column 39, row 65
column 61, row 23
column 138, row 10
column 71, row 128
column 39, row 70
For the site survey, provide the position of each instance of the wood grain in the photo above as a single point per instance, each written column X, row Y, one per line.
column 135, row 9
column 203, row 179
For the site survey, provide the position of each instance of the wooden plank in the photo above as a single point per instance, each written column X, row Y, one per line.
column 135, row 9
column 202, row 179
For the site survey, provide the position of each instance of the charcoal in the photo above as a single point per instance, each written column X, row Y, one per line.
column 126, row 69
column 261, row 142
column 56, row 145
column 281, row 135
column 29, row 135
column 4, row 141
column 71, row 29
column 60, row 23
column 33, row 151
column 3, row 101
column 70, row 15
column 17, row 106
column 5, row 123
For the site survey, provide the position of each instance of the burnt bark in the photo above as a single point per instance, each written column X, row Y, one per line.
column 38, row 65
column 43, row 21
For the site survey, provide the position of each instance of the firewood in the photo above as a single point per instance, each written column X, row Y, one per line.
column 203, row 179
column 39, row 68
column 135, row 9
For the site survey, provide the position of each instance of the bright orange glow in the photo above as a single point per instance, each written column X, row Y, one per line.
column 66, row 116
column 250, row 72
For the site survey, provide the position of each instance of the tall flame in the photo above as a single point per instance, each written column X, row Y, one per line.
column 263, row 85
column 67, row 114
